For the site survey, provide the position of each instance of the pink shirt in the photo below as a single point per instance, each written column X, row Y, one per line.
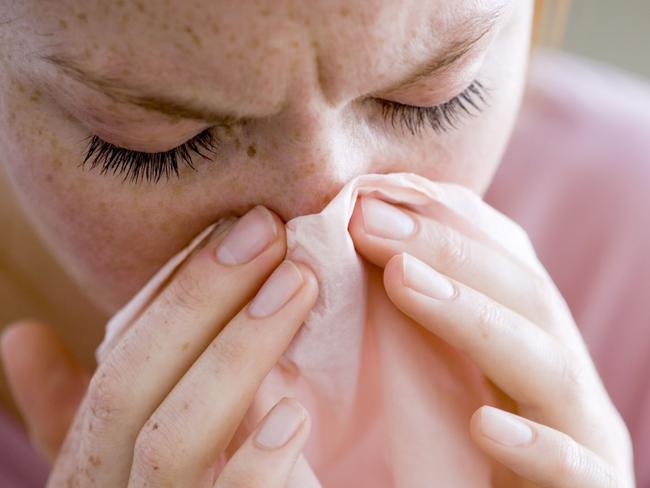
column 576, row 176
column 575, row 169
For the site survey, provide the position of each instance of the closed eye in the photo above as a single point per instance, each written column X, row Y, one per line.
column 441, row 118
column 138, row 165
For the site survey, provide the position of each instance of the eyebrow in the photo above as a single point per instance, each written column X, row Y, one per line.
column 119, row 91
column 475, row 29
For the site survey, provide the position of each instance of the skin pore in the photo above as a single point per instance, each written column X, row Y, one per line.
column 289, row 90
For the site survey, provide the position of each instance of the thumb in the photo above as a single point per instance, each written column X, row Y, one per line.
column 46, row 381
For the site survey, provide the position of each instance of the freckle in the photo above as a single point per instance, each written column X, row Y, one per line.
column 165, row 227
column 344, row 11
column 155, row 468
column 251, row 151
column 215, row 28
column 95, row 461
column 48, row 178
column 309, row 170
column 155, row 426
column 35, row 96
column 63, row 24
column 140, row 7
column 186, row 406
column 196, row 39
column 82, row 17
column 265, row 12
column 180, row 46
column 185, row 346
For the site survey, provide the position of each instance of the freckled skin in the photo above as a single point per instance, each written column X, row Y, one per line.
column 301, row 67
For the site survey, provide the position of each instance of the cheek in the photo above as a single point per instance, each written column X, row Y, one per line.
column 107, row 240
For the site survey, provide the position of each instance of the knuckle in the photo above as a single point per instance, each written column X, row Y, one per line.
column 577, row 468
column 490, row 319
column 107, row 396
column 156, row 451
column 541, row 295
column 569, row 463
column 453, row 250
column 573, row 377
column 228, row 352
column 546, row 305
column 610, row 479
column 186, row 292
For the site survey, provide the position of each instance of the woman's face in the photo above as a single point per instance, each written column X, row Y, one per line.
column 299, row 97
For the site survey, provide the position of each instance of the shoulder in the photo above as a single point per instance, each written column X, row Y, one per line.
column 576, row 176
column 577, row 170
column 584, row 127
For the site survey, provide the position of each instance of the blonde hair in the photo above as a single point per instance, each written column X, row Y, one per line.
column 550, row 21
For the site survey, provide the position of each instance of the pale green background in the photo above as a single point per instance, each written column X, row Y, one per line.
column 613, row 31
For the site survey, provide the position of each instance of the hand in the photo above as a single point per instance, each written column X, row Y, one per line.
column 511, row 320
column 165, row 403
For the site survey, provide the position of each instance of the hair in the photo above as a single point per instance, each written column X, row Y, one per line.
column 550, row 21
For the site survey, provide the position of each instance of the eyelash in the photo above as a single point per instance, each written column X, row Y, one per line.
column 440, row 118
column 138, row 165
column 151, row 167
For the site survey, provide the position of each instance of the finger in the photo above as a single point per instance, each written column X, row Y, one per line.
column 46, row 381
column 204, row 409
column 381, row 230
column 214, row 283
column 269, row 454
column 519, row 357
column 538, row 453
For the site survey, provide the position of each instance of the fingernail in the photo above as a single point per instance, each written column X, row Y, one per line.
column 280, row 425
column 278, row 289
column 248, row 238
column 385, row 220
column 424, row 279
column 504, row 428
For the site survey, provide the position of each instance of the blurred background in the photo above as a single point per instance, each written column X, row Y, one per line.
column 614, row 32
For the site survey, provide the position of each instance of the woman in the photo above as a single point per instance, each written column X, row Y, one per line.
column 289, row 113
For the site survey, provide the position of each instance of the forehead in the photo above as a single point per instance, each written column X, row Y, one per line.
column 251, row 51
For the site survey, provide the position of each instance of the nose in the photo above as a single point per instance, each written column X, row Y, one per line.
column 310, row 152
